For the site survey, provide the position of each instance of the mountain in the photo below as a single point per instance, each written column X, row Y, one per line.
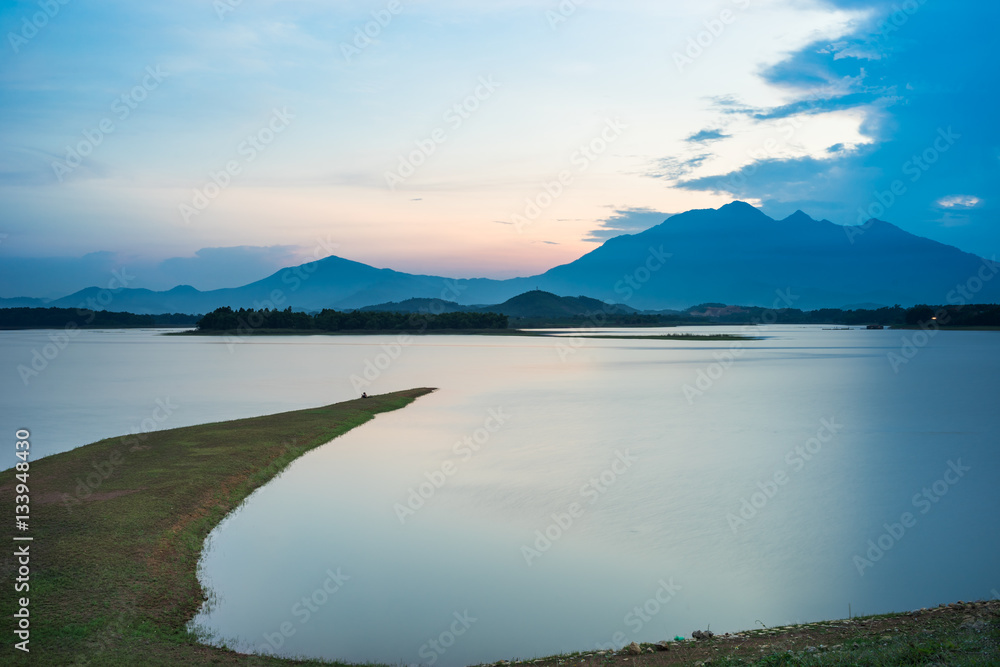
column 421, row 306
column 538, row 303
column 535, row 303
column 738, row 255
column 734, row 254
column 23, row 302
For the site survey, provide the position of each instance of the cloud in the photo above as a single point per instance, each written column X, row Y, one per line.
column 959, row 201
column 207, row 269
column 706, row 136
column 214, row 268
column 54, row 277
column 626, row 221
column 913, row 75
column 674, row 168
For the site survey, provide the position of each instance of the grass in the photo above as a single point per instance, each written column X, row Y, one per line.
column 961, row 634
column 113, row 563
column 677, row 336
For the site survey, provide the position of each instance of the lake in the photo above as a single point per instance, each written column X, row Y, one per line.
column 561, row 495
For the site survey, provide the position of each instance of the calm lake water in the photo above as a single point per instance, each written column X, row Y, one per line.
column 559, row 495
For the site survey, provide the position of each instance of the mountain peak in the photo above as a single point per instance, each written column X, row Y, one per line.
column 742, row 211
column 799, row 216
column 738, row 205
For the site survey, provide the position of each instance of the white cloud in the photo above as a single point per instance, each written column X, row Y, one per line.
column 959, row 202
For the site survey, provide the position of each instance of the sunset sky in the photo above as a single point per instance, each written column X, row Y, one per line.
column 213, row 142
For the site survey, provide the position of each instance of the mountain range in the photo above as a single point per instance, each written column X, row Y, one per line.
column 734, row 254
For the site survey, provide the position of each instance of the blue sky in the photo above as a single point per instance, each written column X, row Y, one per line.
column 213, row 142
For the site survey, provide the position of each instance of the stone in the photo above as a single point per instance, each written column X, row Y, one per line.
column 633, row 649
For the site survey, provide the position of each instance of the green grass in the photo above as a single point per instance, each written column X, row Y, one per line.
column 113, row 575
column 677, row 336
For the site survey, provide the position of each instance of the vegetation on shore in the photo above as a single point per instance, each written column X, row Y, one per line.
column 469, row 332
column 84, row 318
column 960, row 634
column 672, row 336
column 118, row 527
column 247, row 321
column 445, row 317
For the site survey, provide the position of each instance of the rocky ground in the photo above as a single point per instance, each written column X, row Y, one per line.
column 963, row 633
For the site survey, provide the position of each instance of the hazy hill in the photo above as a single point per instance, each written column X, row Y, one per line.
column 538, row 303
column 535, row 303
column 734, row 254
column 420, row 306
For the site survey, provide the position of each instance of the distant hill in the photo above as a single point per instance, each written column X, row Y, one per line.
column 23, row 302
column 533, row 304
column 733, row 254
column 537, row 303
column 420, row 306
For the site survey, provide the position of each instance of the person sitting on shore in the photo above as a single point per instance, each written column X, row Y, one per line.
column 364, row 394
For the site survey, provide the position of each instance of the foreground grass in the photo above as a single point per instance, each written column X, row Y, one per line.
column 113, row 562
column 961, row 634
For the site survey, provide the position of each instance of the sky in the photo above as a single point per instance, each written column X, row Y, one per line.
column 211, row 142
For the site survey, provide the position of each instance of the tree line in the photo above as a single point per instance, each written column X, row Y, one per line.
column 58, row 318
column 969, row 315
column 227, row 319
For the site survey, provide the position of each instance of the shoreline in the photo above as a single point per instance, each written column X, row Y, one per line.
column 114, row 559
column 470, row 332
column 118, row 527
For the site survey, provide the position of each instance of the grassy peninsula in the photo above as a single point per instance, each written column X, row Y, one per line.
column 119, row 525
